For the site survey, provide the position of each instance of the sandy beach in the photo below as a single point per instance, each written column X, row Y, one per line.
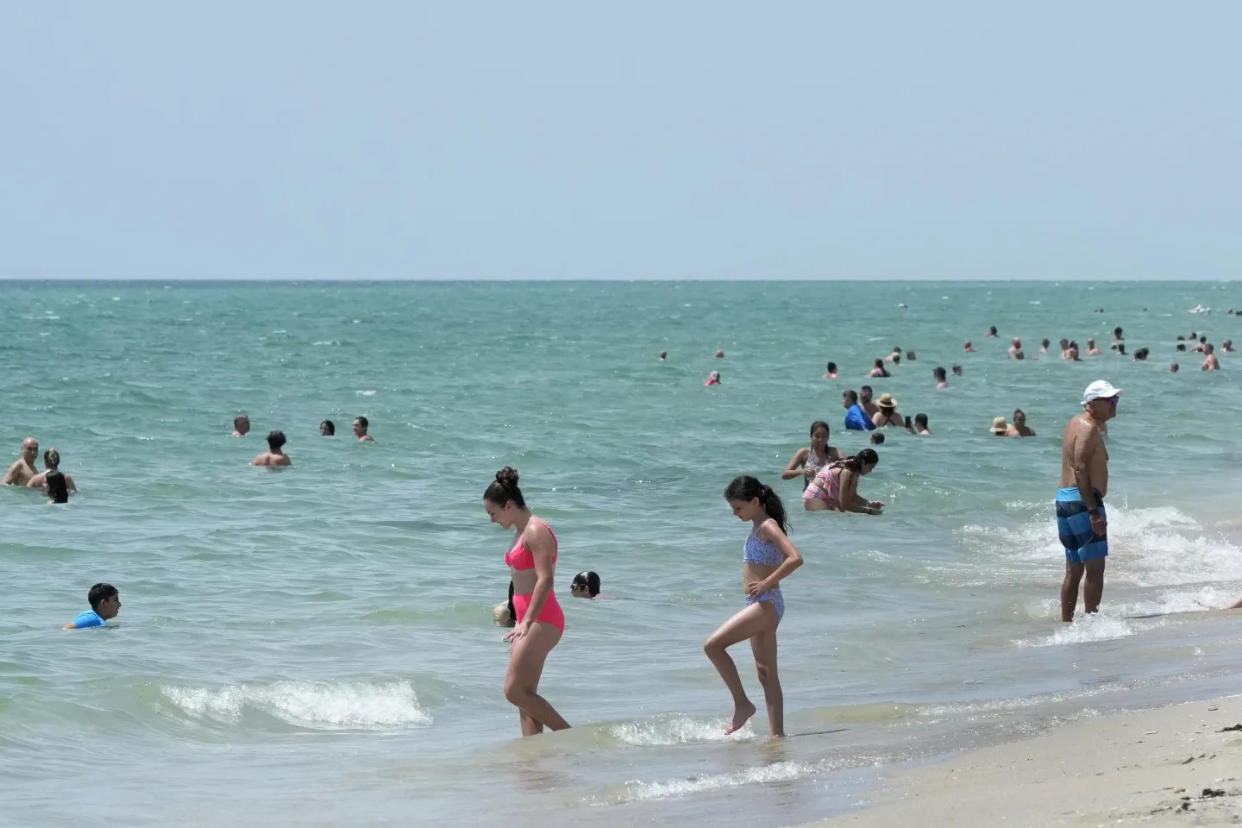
column 1180, row 764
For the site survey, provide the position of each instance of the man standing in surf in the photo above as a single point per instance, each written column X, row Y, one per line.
column 1082, row 523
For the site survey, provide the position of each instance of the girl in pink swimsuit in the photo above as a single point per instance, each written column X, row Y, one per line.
column 540, row 621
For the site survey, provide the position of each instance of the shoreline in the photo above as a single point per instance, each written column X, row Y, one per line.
column 1182, row 759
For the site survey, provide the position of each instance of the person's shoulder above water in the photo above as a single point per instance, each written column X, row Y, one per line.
column 105, row 603
column 88, row 618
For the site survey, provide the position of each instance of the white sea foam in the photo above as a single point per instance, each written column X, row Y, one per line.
column 1086, row 628
column 677, row 730
column 370, row 392
column 776, row 772
column 320, row 705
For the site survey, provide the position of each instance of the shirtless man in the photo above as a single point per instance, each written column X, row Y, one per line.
column 361, row 424
column 1091, row 349
column 274, row 456
column 1082, row 523
column 864, row 399
column 241, row 425
column 1015, row 349
column 23, row 468
column 1210, row 363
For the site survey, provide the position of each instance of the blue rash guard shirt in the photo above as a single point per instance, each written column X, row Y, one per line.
column 857, row 420
column 90, row 618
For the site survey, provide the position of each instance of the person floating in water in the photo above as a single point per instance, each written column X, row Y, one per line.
column 768, row 557
column 105, row 603
column 54, row 484
column 585, row 585
column 327, row 429
column 275, row 455
column 361, row 424
column 713, row 379
column 241, row 425
column 23, row 468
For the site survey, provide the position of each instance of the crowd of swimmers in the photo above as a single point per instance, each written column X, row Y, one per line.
column 830, row 482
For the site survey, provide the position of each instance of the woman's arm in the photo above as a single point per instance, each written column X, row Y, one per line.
column 851, row 500
column 794, row 469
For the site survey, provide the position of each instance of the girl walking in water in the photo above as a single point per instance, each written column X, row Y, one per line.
column 540, row 621
column 768, row 556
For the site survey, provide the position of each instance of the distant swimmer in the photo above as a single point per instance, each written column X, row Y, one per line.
column 879, row 370
column 1019, row 428
column 712, row 379
column 23, row 468
column 1065, row 348
column 1173, row 369
column 1141, row 354
column 992, row 332
column 808, row 460
column 1226, row 347
column 663, row 355
column 957, row 370
column 361, row 424
column 1015, row 349
column 909, row 356
column 856, row 418
column 877, row 438
column 887, row 416
column 1043, row 346
column 504, row 614
column 1117, row 338
column 585, row 585
column 274, row 456
column 540, row 620
column 768, row 557
column 105, row 603
column 720, row 353
column 831, row 371
column 920, row 425
column 942, row 378
column 1091, row 349
column 1210, row 363
column 241, row 426
column 895, row 356
column 835, row 488
column 327, row 429
column 54, row 484
column 967, row 347
column 1000, row 428
column 1082, row 523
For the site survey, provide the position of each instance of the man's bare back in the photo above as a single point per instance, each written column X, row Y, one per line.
column 1082, row 448
column 272, row 458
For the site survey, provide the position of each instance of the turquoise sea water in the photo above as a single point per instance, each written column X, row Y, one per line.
column 315, row 644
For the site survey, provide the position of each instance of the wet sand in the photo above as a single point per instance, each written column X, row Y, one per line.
column 1180, row 764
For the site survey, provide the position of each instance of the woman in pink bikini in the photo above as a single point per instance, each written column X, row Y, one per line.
column 540, row 621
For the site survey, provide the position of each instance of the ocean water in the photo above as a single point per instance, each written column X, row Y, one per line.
column 315, row 644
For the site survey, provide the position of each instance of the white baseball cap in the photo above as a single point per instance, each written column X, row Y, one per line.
column 1099, row 390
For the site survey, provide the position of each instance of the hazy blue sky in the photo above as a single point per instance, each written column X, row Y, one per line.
column 626, row 140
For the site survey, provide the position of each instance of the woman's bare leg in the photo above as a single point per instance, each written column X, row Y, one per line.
column 522, row 681
column 754, row 619
column 815, row 505
column 763, row 645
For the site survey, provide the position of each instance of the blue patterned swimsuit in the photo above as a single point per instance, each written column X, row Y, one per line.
column 758, row 551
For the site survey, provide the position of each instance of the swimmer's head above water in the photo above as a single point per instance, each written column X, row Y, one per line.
column 585, row 585
column 327, row 429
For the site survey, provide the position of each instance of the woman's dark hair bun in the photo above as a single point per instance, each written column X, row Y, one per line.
column 507, row 477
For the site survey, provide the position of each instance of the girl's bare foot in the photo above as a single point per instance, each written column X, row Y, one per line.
column 741, row 713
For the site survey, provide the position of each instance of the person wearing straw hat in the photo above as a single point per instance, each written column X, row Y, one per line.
column 1082, row 524
column 887, row 415
column 999, row 427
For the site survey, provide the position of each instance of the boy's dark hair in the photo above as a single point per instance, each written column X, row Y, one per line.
column 99, row 593
column 877, row 437
column 851, row 395
column 275, row 439
column 365, row 422
column 239, row 419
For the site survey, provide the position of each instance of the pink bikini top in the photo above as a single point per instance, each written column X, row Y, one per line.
column 520, row 557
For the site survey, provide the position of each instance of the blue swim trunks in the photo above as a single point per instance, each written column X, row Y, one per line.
column 1074, row 527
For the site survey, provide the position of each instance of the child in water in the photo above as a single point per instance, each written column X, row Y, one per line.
column 585, row 585
column 105, row 603
column 768, row 557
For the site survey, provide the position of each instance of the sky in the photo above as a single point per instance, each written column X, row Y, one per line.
column 578, row 140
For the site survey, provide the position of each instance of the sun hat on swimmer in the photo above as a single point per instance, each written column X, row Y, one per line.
column 886, row 401
column 1099, row 390
column 999, row 426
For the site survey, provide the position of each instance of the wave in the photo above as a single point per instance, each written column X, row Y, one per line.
column 315, row 705
column 676, row 729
